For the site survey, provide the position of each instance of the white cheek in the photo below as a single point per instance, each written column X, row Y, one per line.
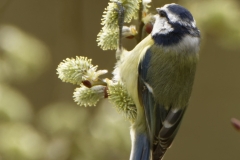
column 166, row 28
column 161, row 26
column 157, row 25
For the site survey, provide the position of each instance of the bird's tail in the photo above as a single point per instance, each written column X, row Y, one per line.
column 141, row 149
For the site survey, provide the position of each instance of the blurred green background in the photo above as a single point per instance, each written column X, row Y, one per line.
column 40, row 121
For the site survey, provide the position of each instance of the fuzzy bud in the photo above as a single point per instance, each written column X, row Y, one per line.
column 124, row 104
column 85, row 96
column 77, row 70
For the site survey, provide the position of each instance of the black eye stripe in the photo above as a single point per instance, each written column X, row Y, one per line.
column 162, row 14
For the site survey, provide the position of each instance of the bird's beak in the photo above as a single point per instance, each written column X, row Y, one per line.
column 158, row 9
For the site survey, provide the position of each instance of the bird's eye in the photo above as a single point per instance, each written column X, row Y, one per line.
column 162, row 14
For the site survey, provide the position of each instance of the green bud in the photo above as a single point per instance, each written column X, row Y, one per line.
column 77, row 70
column 123, row 102
column 107, row 38
column 85, row 96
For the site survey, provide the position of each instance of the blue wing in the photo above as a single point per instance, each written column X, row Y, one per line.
column 162, row 123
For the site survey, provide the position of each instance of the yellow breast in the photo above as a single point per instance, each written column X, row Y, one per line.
column 128, row 68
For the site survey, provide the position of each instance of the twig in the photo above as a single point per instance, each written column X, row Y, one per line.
column 141, row 24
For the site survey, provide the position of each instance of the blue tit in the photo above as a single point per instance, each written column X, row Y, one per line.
column 158, row 74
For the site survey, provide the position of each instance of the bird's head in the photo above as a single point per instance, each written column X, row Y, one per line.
column 173, row 25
